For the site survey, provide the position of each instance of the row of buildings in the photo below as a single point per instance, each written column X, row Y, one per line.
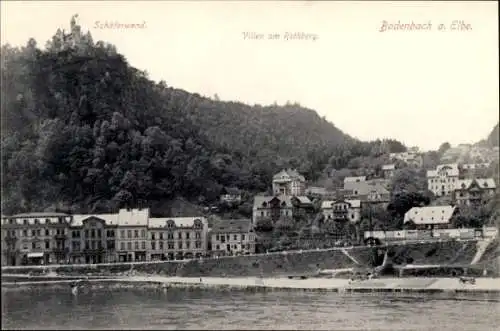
column 125, row 236
column 449, row 180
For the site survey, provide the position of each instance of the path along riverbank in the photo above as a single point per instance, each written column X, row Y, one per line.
column 417, row 285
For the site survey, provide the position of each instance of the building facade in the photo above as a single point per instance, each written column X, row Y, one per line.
column 272, row 207
column 411, row 158
column 289, row 182
column 388, row 170
column 35, row 238
column 443, row 180
column 342, row 210
column 177, row 238
column 473, row 192
column 233, row 237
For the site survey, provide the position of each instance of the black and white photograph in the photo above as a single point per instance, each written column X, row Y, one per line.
column 250, row 165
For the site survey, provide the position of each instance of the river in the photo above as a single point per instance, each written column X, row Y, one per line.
column 215, row 310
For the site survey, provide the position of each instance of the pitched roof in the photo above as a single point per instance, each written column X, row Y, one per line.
column 353, row 203
column 180, row 222
column 125, row 217
column 451, row 168
column 364, row 188
column 483, row 183
column 292, row 173
column 40, row 215
column 232, row 226
column 303, row 199
column 354, row 179
column 429, row 214
column 260, row 199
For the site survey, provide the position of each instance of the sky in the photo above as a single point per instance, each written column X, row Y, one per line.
column 422, row 86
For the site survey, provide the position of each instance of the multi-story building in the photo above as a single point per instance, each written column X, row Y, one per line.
column 272, row 207
column 367, row 191
column 177, row 238
column 289, row 182
column 35, row 238
column 442, row 181
column 113, row 237
column 233, row 237
column 342, row 210
column 473, row 192
column 276, row 207
column 388, row 170
column 431, row 217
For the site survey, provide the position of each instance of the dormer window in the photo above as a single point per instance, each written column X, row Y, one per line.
column 485, row 184
column 264, row 204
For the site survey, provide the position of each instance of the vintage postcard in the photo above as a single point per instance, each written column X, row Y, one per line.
column 270, row 165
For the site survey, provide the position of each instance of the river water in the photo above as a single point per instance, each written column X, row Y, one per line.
column 216, row 310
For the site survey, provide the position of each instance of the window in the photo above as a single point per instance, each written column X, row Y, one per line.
column 170, row 245
column 111, row 244
column 37, row 221
column 179, row 235
column 217, row 237
column 122, row 246
column 143, row 245
column 39, row 232
column 143, row 233
column 136, row 245
column 93, row 244
column 87, row 244
column 129, row 246
column 99, row 233
column 170, row 235
column 223, row 239
column 47, row 245
column 99, row 244
column 198, row 235
column 25, row 233
column 33, row 233
column 161, row 245
column 33, row 245
column 161, row 235
column 235, row 237
column 153, row 236
column 76, row 245
column 242, row 237
column 198, row 244
column 136, row 233
column 187, row 235
column 187, row 244
column 153, row 245
column 129, row 233
column 24, row 221
column 217, row 247
column 179, row 244
column 122, row 233
column 86, row 233
column 92, row 233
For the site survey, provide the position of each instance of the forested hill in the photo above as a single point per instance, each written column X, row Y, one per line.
column 83, row 130
column 494, row 136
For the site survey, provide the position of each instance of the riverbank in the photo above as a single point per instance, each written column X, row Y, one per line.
column 459, row 253
column 255, row 284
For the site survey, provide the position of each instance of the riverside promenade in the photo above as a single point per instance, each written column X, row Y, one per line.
column 417, row 285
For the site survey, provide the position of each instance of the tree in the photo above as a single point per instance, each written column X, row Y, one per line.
column 443, row 148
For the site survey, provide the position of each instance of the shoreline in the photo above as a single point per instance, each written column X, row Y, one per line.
column 255, row 284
